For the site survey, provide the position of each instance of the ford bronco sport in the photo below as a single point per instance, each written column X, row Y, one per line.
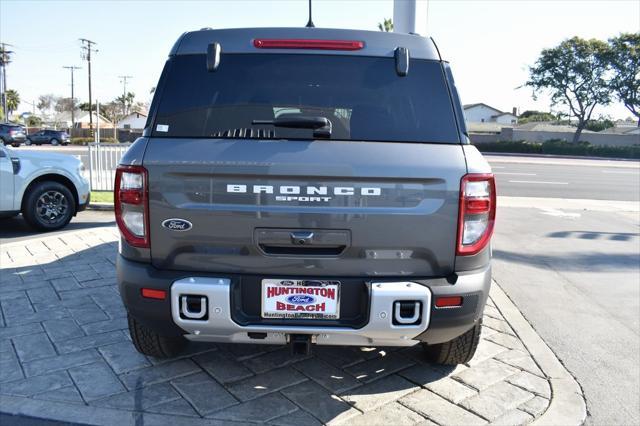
column 305, row 186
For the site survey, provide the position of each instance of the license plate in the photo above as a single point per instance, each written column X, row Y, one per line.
column 300, row 299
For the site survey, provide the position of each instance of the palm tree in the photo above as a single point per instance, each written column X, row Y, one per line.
column 386, row 25
column 13, row 100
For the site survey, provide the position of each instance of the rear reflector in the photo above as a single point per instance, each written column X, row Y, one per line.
column 449, row 302
column 264, row 43
column 150, row 293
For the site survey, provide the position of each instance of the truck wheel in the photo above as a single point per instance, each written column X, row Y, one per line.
column 150, row 343
column 48, row 206
column 457, row 351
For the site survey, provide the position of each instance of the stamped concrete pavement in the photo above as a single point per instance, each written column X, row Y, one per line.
column 65, row 354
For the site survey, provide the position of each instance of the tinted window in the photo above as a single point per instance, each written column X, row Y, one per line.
column 362, row 96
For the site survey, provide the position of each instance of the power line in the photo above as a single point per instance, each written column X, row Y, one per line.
column 87, row 48
column 73, row 103
column 5, row 59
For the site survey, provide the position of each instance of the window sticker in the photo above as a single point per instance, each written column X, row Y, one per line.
column 162, row 128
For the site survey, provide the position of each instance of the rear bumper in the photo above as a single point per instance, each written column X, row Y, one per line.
column 434, row 326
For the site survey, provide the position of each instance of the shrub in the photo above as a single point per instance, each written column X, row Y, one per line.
column 85, row 141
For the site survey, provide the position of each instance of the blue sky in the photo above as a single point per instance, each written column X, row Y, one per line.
column 489, row 43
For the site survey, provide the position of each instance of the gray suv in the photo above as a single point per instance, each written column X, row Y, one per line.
column 305, row 186
column 12, row 134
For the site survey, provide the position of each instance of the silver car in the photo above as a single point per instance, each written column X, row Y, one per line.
column 48, row 189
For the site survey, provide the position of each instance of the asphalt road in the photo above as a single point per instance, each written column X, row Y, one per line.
column 577, row 179
column 573, row 268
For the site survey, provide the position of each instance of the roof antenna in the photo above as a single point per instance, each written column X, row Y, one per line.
column 310, row 23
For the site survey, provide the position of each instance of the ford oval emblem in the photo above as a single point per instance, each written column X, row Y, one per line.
column 176, row 224
column 301, row 299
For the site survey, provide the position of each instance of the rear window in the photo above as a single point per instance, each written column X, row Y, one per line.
column 363, row 97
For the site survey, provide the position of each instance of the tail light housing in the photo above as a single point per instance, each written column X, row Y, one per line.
column 477, row 213
column 132, row 204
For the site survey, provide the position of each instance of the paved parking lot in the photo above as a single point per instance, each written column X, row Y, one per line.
column 65, row 354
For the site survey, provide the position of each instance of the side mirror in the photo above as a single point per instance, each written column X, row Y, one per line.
column 213, row 56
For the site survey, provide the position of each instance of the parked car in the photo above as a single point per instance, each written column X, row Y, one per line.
column 48, row 189
column 12, row 134
column 54, row 137
column 305, row 186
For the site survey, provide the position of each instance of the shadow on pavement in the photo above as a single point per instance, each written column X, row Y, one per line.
column 17, row 227
column 82, row 286
column 592, row 261
column 594, row 235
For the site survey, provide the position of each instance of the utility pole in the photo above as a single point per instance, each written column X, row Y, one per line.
column 410, row 16
column 5, row 58
column 73, row 103
column 87, row 48
column 123, row 80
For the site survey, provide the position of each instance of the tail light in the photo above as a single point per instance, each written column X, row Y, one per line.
column 270, row 43
column 477, row 213
column 132, row 204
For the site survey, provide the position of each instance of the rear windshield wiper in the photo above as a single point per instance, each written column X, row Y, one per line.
column 321, row 125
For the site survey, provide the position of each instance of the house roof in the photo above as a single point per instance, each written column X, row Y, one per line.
column 469, row 106
column 79, row 116
column 141, row 113
column 486, row 127
column 504, row 113
column 548, row 126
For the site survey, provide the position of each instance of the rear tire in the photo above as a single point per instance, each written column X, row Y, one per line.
column 54, row 142
column 48, row 206
column 457, row 351
column 148, row 342
column 27, row 142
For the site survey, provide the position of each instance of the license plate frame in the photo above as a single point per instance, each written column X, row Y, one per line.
column 311, row 294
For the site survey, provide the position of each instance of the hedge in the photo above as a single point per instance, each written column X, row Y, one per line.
column 84, row 141
column 561, row 147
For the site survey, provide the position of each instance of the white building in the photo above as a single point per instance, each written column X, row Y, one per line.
column 483, row 113
column 63, row 120
column 135, row 121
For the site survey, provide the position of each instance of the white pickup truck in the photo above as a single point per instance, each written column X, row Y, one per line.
column 48, row 189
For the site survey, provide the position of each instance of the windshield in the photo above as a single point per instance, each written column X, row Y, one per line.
column 363, row 97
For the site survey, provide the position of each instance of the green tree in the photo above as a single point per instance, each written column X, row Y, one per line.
column 112, row 111
column 46, row 102
column 84, row 106
column 126, row 101
column 533, row 115
column 386, row 25
column 623, row 58
column 13, row 100
column 33, row 121
column 65, row 104
column 573, row 73
column 600, row 124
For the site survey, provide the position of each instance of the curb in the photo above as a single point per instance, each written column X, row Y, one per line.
column 100, row 206
column 567, row 405
column 568, row 157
